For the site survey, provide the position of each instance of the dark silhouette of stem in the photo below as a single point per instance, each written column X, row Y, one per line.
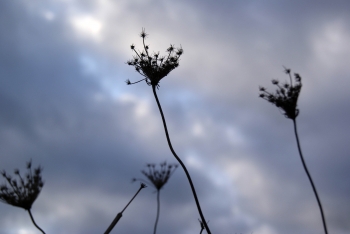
column 179, row 160
column 31, row 217
column 158, row 208
column 201, row 231
column 309, row 176
column 120, row 214
column 202, row 226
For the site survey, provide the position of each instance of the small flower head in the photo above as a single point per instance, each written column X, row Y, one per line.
column 143, row 34
column 154, row 67
column 287, row 70
column 22, row 192
column 143, row 185
column 286, row 96
column 275, row 82
column 158, row 178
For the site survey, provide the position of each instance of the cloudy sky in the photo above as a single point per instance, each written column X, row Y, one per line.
column 65, row 105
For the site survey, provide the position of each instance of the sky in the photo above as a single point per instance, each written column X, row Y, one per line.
column 64, row 104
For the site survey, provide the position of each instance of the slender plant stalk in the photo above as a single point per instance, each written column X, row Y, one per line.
column 158, row 209
column 179, row 160
column 309, row 176
column 32, row 218
column 120, row 214
column 202, row 226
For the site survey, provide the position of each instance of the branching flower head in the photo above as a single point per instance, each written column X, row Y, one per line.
column 23, row 191
column 286, row 96
column 152, row 66
column 158, row 178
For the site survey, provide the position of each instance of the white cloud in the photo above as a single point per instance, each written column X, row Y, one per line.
column 87, row 25
column 331, row 46
column 49, row 15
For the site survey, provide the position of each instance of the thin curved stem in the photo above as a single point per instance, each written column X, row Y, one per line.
column 31, row 217
column 158, row 209
column 179, row 160
column 309, row 176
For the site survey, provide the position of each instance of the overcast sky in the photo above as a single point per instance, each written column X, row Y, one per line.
column 64, row 104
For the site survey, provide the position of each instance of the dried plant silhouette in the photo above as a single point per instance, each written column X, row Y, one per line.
column 22, row 192
column 154, row 68
column 120, row 214
column 286, row 98
column 157, row 179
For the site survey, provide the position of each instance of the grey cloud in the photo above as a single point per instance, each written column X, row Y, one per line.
column 91, row 143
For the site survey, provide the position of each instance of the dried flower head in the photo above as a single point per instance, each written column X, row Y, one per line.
column 153, row 67
column 23, row 191
column 158, row 178
column 286, row 96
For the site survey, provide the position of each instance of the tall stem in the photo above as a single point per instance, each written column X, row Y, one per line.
column 309, row 176
column 179, row 160
column 158, row 208
column 31, row 217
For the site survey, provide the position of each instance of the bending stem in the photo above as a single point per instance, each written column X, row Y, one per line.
column 158, row 208
column 309, row 176
column 31, row 217
column 179, row 160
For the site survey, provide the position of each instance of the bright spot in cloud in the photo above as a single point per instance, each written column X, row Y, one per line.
column 23, row 231
column 49, row 15
column 197, row 129
column 145, row 120
column 234, row 136
column 88, row 64
column 141, row 107
column 192, row 160
column 331, row 45
column 87, row 25
column 265, row 229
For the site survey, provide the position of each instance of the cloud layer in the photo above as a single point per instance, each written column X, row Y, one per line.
column 65, row 105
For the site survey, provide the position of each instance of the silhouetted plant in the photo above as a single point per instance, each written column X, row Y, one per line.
column 120, row 214
column 22, row 192
column 157, row 179
column 155, row 68
column 286, row 98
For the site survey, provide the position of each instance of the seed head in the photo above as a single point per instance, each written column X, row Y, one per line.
column 286, row 96
column 22, row 192
column 154, row 68
column 158, row 178
column 287, row 70
column 143, row 34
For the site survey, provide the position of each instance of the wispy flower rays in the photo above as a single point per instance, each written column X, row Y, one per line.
column 22, row 192
column 158, row 178
column 152, row 66
column 286, row 96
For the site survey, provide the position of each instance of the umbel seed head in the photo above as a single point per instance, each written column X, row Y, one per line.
column 158, row 177
column 152, row 66
column 286, row 95
column 22, row 192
